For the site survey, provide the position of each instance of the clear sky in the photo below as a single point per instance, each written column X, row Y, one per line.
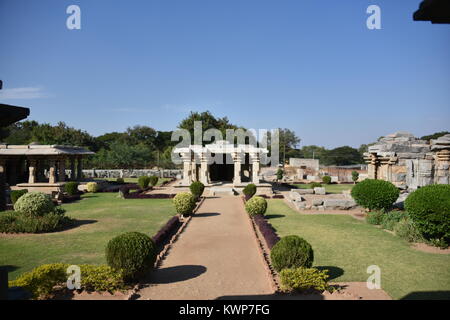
column 312, row 66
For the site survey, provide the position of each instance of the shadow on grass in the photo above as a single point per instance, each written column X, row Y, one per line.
column 274, row 216
column 76, row 224
column 333, row 272
column 8, row 268
column 176, row 274
column 427, row 295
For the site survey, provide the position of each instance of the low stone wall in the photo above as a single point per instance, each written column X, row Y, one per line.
column 130, row 173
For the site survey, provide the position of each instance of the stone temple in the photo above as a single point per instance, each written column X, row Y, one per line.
column 408, row 162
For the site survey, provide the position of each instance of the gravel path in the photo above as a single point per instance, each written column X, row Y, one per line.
column 217, row 255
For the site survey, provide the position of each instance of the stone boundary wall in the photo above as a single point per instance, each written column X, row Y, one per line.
column 130, row 173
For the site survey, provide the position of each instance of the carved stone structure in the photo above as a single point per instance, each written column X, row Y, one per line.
column 409, row 162
column 221, row 161
column 40, row 167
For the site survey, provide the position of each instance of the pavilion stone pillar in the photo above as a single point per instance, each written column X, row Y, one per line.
column 32, row 171
column 72, row 169
column 372, row 166
column 62, row 170
column 187, row 168
column 2, row 185
column 204, row 174
column 443, row 167
column 237, row 159
column 52, row 172
column 79, row 168
column 254, row 158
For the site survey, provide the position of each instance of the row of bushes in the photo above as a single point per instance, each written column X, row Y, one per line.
column 427, row 209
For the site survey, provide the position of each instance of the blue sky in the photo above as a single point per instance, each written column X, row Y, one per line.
column 311, row 66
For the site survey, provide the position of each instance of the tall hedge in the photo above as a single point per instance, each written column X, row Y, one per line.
column 429, row 208
column 375, row 194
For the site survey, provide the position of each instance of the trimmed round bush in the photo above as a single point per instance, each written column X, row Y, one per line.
column 143, row 182
column 249, row 190
column 184, row 203
column 292, row 252
column 256, row 205
column 120, row 180
column 375, row 194
column 133, row 253
column 326, row 179
column 34, row 204
column 153, row 180
column 313, row 185
column 197, row 189
column 71, row 188
column 429, row 208
column 16, row 194
column 92, row 187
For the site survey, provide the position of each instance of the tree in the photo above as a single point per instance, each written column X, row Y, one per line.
column 434, row 135
column 287, row 142
column 355, row 176
column 342, row 156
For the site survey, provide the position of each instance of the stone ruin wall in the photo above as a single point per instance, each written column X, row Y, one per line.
column 409, row 162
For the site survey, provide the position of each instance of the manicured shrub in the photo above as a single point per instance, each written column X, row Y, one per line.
column 165, row 232
column 153, row 180
column 292, row 252
column 256, row 205
column 184, row 203
column 34, row 204
column 304, row 279
column 133, row 253
column 390, row 219
column 375, row 194
column 270, row 235
column 18, row 222
column 40, row 282
column 355, row 176
column 71, row 188
column 143, row 182
column 375, row 217
column 16, row 194
column 249, row 190
column 280, row 174
column 326, row 179
column 429, row 208
column 313, row 185
column 92, row 187
column 120, row 180
column 197, row 189
column 407, row 230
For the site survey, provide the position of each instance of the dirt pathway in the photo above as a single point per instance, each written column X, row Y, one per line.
column 215, row 256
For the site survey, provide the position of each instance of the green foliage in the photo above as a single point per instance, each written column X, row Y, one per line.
column 16, row 194
column 71, row 188
column 390, row 219
column 256, row 205
column 34, row 204
column 153, row 180
column 292, row 252
column 18, row 222
column 280, row 174
column 375, row 217
column 429, row 208
column 92, row 187
column 375, row 194
column 326, row 179
column 313, row 185
column 342, row 156
column 304, row 279
column 197, row 189
column 249, row 190
column 434, row 135
column 407, row 230
column 133, row 253
column 120, row 180
column 143, row 182
column 184, row 203
column 40, row 282
column 355, row 176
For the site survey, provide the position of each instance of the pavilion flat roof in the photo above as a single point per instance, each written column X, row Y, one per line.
column 41, row 150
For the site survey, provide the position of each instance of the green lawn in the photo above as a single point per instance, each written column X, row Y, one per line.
column 134, row 180
column 102, row 216
column 330, row 188
column 349, row 246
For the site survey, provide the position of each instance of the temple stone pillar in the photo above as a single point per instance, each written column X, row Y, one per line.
column 79, row 169
column 12, row 172
column 62, row 170
column 237, row 159
column 72, row 169
column 187, row 168
column 2, row 185
column 204, row 169
column 32, row 171
column 52, row 172
column 443, row 167
column 254, row 158
column 372, row 166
